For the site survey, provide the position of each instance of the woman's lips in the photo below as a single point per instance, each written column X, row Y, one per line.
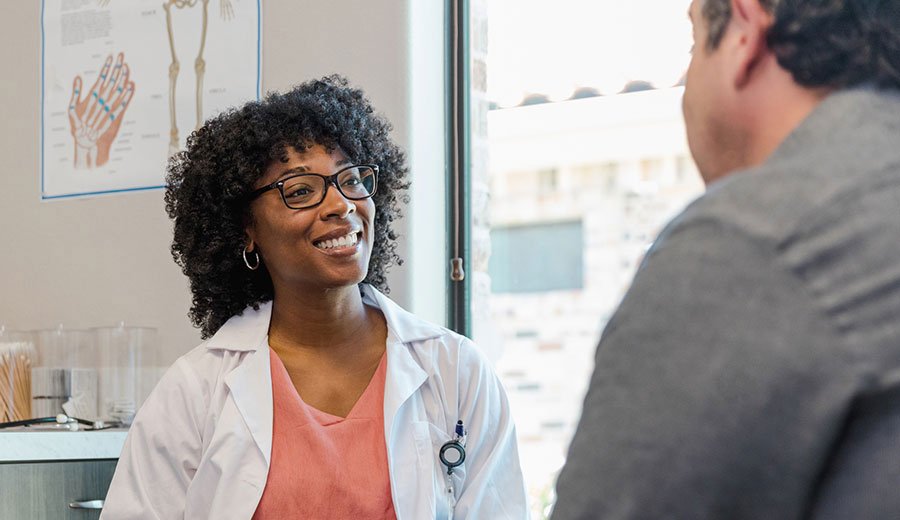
column 346, row 245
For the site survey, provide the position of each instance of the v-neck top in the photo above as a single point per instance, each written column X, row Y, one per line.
column 323, row 465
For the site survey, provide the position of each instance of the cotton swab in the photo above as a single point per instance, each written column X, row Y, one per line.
column 23, row 387
column 15, row 380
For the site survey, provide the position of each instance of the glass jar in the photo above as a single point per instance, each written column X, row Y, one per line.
column 127, row 369
column 65, row 379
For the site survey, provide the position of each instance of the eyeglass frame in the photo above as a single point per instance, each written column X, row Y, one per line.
column 329, row 180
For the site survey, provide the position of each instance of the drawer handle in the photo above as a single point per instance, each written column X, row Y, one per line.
column 87, row 504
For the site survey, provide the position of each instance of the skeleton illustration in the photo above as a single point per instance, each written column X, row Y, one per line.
column 227, row 13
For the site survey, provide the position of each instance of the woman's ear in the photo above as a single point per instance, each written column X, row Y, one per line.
column 250, row 251
column 249, row 232
column 249, row 241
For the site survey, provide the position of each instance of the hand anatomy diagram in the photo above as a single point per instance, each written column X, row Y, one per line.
column 95, row 118
column 227, row 12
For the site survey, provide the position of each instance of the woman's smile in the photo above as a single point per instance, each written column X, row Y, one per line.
column 340, row 243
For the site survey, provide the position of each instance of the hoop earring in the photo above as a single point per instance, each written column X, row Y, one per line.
column 247, row 261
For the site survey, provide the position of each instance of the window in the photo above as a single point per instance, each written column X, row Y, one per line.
column 578, row 158
column 536, row 258
column 547, row 180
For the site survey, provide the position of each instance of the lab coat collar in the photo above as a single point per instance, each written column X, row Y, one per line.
column 249, row 330
column 406, row 327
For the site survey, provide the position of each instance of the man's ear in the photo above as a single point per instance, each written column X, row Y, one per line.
column 749, row 24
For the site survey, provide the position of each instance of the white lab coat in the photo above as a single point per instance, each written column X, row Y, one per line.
column 200, row 445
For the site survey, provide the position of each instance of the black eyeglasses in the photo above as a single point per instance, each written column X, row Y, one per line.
column 305, row 190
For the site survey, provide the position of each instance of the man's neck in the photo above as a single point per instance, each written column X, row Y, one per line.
column 773, row 110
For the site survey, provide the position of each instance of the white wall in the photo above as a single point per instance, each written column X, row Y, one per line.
column 96, row 261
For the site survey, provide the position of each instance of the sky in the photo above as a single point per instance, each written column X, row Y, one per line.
column 553, row 47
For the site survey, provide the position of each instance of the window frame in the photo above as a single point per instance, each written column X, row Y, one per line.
column 459, row 166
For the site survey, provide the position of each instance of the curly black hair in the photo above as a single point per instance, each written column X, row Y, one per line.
column 208, row 183
column 827, row 43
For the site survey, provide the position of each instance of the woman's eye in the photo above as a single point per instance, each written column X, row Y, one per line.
column 298, row 192
column 351, row 182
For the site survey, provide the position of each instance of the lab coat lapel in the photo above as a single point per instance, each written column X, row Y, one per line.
column 250, row 385
column 404, row 377
column 404, row 374
column 404, row 410
column 401, row 410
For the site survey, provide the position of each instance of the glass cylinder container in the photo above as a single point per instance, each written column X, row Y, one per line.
column 65, row 379
column 127, row 369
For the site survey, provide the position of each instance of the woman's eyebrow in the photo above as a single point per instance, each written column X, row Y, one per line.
column 293, row 171
column 305, row 169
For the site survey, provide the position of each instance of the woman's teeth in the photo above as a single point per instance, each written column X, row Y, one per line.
column 344, row 241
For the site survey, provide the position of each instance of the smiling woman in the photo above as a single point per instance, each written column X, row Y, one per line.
column 314, row 396
column 209, row 188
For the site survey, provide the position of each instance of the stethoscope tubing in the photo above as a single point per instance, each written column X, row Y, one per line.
column 43, row 420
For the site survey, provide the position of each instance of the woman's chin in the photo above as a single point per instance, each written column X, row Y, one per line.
column 344, row 280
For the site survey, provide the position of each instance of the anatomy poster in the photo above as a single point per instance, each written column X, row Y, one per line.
column 125, row 82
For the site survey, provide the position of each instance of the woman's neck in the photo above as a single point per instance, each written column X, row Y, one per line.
column 315, row 320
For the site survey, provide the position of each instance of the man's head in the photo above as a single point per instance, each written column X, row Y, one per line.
column 759, row 67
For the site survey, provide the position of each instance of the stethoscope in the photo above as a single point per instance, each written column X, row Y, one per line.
column 452, row 455
column 64, row 422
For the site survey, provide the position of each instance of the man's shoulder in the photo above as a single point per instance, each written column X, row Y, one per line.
column 783, row 202
column 826, row 170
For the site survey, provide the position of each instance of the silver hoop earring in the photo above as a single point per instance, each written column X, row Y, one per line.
column 247, row 261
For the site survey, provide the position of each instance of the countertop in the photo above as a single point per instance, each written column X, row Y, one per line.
column 30, row 446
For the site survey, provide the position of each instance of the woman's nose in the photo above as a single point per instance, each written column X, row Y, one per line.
column 335, row 204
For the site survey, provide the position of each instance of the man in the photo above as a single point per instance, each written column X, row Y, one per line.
column 753, row 369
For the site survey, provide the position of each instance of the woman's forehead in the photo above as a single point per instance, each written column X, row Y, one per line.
column 296, row 159
column 302, row 146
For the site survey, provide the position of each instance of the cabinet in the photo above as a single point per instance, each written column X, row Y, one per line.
column 43, row 490
column 42, row 472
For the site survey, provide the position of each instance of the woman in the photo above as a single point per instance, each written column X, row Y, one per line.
column 314, row 395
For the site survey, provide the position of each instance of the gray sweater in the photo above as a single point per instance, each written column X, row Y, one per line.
column 753, row 369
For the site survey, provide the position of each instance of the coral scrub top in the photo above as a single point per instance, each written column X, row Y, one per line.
column 325, row 466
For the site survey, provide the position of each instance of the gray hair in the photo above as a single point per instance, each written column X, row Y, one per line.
column 718, row 13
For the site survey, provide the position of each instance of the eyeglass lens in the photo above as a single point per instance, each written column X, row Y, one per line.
column 308, row 190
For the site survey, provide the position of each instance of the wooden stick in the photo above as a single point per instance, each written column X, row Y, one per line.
column 17, row 392
column 15, row 387
column 21, row 397
column 6, row 388
column 5, row 391
column 28, row 399
column 21, row 409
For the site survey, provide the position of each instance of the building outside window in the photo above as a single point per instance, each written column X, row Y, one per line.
column 579, row 158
